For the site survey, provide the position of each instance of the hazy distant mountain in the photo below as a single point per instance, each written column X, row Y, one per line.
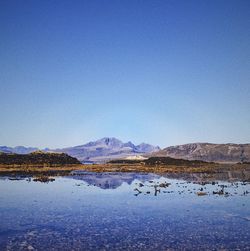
column 106, row 149
column 208, row 152
column 18, row 149
column 102, row 150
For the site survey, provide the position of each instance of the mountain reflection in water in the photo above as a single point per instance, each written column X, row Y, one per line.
column 112, row 180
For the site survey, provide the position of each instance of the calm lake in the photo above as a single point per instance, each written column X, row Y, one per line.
column 125, row 211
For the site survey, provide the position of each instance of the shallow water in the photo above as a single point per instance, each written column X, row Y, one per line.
column 124, row 211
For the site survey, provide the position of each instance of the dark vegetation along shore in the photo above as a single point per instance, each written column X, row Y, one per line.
column 38, row 163
column 162, row 161
column 37, row 158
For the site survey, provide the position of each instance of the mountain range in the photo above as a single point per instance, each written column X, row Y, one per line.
column 107, row 149
column 99, row 151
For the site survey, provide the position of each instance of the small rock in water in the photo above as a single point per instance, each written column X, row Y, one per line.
column 44, row 179
column 201, row 193
column 221, row 192
column 164, row 185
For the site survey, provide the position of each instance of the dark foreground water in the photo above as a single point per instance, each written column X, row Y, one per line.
column 128, row 211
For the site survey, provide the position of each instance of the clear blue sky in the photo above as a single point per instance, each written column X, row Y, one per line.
column 163, row 72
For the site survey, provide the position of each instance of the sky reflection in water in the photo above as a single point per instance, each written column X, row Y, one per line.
column 89, row 211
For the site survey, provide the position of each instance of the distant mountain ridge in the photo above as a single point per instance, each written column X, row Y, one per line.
column 18, row 149
column 98, row 151
column 231, row 153
column 108, row 148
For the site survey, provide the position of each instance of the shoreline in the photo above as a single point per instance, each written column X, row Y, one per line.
column 63, row 170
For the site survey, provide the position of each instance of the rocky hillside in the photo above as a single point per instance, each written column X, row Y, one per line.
column 232, row 153
column 37, row 158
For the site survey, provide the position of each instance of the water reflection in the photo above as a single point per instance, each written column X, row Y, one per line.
column 229, row 176
column 148, row 183
column 111, row 180
column 126, row 211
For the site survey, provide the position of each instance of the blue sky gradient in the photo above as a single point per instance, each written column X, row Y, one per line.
column 163, row 72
